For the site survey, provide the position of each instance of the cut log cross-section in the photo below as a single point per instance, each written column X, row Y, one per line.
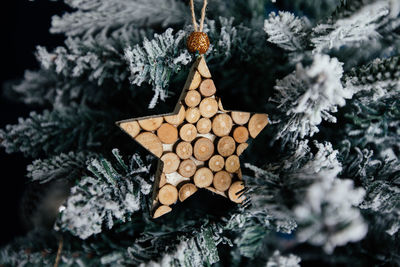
column 199, row 144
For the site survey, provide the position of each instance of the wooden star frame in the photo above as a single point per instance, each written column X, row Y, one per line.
column 198, row 144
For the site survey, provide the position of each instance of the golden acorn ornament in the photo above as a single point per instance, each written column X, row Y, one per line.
column 198, row 41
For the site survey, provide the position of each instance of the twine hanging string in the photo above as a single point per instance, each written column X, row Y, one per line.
column 203, row 15
column 60, row 245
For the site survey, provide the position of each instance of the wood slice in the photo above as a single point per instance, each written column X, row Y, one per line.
column 167, row 133
column 220, row 105
column 151, row 142
column 186, row 191
column 257, row 124
column 188, row 132
column 240, row 148
column 203, row 126
column 151, row 124
column 232, row 164
column 187, row 168
column 184, row 150
column 203, row 177
column 233, row 192
column 203, row 149
column 195, row 81
column 192, row 98
column 178, row 118
column 131, row 127
column 216, row 163
column 222, row 180
column 226, row 146
column 239, row 174
column 222, row 125
column 208, row 107
column 203, row 69
column 207, row 88
column 240, row 118
column 168, row 194
column 241, row 134
column 160, row 211
column 163, row 180
column 192, row 115
column 215, row 191
column 171, row 162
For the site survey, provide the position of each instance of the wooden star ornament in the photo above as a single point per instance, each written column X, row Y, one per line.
column 198, row 145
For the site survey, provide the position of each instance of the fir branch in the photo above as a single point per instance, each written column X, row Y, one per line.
column 155, row 61
column 199, row 250
column 313, row 10
column 380, row 178
column 329, row 217
column 46, row 132
column 91, row 59
column 148, row 61
column 278, row 260
column 278, row 186
column 98, row 17
column 360, row 27
column 308, row 96
column 47, row 88
column 347, row 8
column 113, row 195
column 380, row 76
column 375, row 124
column 63, row 166
column 287, row 31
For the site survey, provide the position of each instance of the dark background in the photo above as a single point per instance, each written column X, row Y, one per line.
column 24, row 25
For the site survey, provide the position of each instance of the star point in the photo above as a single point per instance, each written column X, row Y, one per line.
column 199, row 143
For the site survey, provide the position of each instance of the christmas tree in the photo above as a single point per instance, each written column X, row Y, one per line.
column 322, row 180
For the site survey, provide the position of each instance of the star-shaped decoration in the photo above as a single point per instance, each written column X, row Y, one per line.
column 198, row 145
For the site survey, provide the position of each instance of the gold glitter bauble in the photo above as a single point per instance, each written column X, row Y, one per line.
column 198, row 41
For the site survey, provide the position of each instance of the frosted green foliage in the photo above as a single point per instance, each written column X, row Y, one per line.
column 227, row 38
column 155, row 61
column 39, row 248
column 20, row 257
column 91, row 58
column 276, row 188
column 302, row 194
column 250, row 241
column 376, row 124
column 278, row 260
column 69, row 166
column 362, row 26
column 374, row 115
column 148, row 62
column 329, row 216
column 112, row 195
column 35, row 87
column 309, row 96
column 230, row 39
column 379, row 76
column 291, row 175
column 315, row 10
column 381, row 180
column 47, row 88
column 199, row 250
column 93, row 17
column 46, row 132
column 287, row 31
column 347, row 8
column 383, row 198
column 76, row 71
